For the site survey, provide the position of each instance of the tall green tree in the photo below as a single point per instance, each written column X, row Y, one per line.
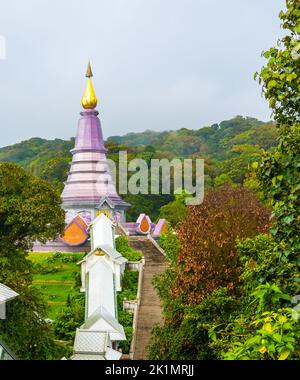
column 174, row 212
column 279, row 172
column 280, row 77
column 29, row 210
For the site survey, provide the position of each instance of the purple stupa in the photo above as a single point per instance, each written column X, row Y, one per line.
column 89, row 189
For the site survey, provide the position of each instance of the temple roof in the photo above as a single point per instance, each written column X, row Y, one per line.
column 6, row 293
column 93, row 345
column 90, row 342
column 115, row 330
column 111, row 252
column 89, row 133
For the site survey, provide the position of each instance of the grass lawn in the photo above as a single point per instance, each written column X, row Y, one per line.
column 64, row 275
column 55, row 277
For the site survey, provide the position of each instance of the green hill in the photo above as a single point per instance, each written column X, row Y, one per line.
column 227, row 148
column 212, row 140
column 35, row 153
column 215, row 140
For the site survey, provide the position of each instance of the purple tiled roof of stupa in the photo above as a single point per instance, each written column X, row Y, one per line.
column 89, row 133
column 89, row 180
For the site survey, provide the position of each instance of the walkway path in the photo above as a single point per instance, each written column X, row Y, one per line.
column 149, row 312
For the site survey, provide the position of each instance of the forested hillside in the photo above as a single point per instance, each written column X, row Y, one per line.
column 218, row 141
column 213, row 140
column 228, row 149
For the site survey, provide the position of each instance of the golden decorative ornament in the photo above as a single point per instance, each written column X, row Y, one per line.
column 89, row 99
column 99, row 253
column 89, row 72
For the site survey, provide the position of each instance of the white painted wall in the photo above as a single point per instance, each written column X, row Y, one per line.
column 101, row 290
column 83, row 276
column 102, row 231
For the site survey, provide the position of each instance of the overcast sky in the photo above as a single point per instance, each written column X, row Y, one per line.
column 158, row 64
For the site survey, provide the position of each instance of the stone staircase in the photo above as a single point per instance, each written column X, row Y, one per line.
column 149, row 312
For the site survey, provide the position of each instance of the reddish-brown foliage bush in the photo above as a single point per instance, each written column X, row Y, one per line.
column 208, row 258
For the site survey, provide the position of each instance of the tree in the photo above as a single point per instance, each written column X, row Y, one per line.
column 279, row 176
column 241, row 156
column 202, row 282
column 208, row 257
column 25, row 330
column 279, row 173
column 70, row 317
column 280, row 77
column 29, row 210
column 56, row 170
column 175, row 211
column 222, row 179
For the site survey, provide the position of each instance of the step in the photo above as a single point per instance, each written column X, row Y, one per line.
column 149, row 312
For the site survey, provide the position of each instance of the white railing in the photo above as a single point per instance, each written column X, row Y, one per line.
column 134, row 265
column 130, row 306
column 156, row 245
column 136, row 310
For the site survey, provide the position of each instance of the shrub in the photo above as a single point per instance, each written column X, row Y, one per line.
column 169, row 243
column 208, row 257
column 70, row 318
column 126, row 320
column 129, row 292
column 54, row 258
column 44, row 269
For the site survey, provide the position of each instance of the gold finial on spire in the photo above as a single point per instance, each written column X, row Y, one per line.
column 89, row 99
column 89, row 72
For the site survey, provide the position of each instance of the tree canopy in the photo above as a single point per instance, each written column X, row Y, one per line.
column 29, row 210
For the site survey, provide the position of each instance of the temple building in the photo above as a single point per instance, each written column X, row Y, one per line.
column 89, row 189
column 101, row 274
column 6, row 295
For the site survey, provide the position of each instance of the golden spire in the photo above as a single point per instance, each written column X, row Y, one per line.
column 89, row 99
column 89, row 73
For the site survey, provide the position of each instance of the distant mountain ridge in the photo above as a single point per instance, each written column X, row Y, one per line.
column 227, row 149
column 208, row 140
column 24, row 152
column 214, row 141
